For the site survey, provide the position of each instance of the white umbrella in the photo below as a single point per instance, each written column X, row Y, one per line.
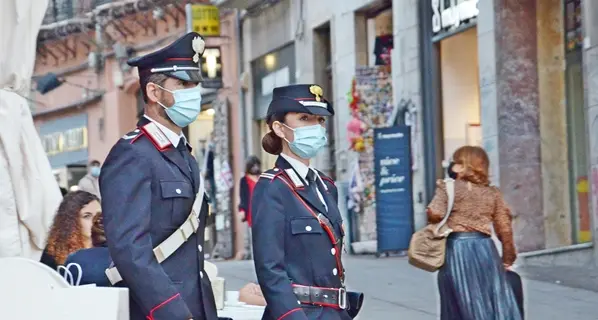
column 29, row 193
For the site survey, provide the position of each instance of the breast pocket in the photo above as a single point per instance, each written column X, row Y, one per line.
column 305, row 226
column 178, row 197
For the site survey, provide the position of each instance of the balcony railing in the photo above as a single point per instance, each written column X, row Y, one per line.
column 59, row 10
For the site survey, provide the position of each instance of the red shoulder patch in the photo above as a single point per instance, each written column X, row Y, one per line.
column 156, row 136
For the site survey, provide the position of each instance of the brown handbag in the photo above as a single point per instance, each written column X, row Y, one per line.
column 427, row 247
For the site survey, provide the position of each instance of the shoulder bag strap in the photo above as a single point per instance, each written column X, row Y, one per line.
column 450, row 192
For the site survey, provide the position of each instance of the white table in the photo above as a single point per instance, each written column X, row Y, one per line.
column 245, row 312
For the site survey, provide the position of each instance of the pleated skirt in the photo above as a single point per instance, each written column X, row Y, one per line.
column 472, row 282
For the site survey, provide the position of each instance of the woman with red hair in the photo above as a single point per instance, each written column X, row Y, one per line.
column 71, row 230
column 472, row 282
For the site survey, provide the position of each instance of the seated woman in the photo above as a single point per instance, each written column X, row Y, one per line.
column 92, row 261
column 72, row 227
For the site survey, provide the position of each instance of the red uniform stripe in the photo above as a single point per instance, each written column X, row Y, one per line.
column 286, row 314
column 151, row 315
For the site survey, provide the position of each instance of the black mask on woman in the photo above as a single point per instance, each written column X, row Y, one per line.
column 452, row 174
column 255, row 171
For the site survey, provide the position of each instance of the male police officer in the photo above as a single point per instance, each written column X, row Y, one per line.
column 153, row 197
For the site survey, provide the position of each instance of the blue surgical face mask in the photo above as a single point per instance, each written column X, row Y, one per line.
column 95, row 171
column 308, row 140
column 186, row 107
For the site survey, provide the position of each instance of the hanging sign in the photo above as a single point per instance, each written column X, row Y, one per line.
column 205, row 20
column 458, row 12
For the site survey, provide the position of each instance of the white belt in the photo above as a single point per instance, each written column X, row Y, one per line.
column 167, row 247
column 174, row 241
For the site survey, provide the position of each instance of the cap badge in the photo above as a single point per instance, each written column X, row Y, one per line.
column 198, row 46
column 316, row 91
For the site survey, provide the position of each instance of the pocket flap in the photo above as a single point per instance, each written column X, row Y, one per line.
column 305, row 226
column 176, row 189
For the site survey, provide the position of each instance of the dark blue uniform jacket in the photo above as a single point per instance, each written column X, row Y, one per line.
column 148, row 189
column 290, row 246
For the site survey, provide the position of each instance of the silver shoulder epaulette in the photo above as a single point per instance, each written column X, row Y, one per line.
column 131, row 135
column 268, row 176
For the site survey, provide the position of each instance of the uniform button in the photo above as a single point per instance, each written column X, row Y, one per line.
column 333, row 251
column 308, row 228
column 201, row 274
column 334, row 271
column 275, row 169
column 199, row 248
column 178, row 191
column 298, row 302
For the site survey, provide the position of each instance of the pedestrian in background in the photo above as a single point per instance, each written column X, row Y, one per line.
column 253, row 168
column 90, row 181
column 472, row 282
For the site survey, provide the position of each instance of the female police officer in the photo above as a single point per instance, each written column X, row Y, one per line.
column 297, row 226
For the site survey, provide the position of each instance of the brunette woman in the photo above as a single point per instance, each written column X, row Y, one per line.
column 246, row 185
column 297, row 226
column 72, row 227
column 472, row 282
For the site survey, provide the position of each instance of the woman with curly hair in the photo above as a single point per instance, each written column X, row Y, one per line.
column 72, row 227
column 472, row 282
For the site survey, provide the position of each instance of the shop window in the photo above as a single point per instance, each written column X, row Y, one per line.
column 576, row 125
column 460, row 91
column 578, row 166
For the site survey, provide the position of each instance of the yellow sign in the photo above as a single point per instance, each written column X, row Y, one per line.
column 205, row 20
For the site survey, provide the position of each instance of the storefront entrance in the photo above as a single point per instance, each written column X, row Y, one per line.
column 460, row 95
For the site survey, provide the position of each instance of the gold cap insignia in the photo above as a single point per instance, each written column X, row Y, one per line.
column 316, row 91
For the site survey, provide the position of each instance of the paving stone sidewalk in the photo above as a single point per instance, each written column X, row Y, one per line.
column 396, row 290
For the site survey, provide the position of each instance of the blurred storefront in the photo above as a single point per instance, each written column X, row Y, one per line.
column 274, row 69
column 510, row 79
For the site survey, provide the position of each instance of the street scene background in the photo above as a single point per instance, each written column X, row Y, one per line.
column 410, row 81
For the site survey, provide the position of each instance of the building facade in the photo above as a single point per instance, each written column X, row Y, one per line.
column 509, row 77
column 86, row 45
column 500, row 74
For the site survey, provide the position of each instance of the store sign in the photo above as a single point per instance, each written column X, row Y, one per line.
column 452, row 16
column 394, row 199
column 205, row 20
column 69, row 140
column 211, row 68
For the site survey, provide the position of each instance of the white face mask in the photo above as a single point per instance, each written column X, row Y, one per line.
column 186, row 107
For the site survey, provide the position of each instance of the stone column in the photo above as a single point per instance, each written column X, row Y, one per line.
column 406, row 76
column 590, row 60
column 508, row 58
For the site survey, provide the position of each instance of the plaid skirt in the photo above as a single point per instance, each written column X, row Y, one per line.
column 472, row 283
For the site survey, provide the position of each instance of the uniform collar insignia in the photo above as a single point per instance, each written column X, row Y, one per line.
column 157, row 137
column 294, row 177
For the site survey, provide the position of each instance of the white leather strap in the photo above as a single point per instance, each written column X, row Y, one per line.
column 175, row 240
